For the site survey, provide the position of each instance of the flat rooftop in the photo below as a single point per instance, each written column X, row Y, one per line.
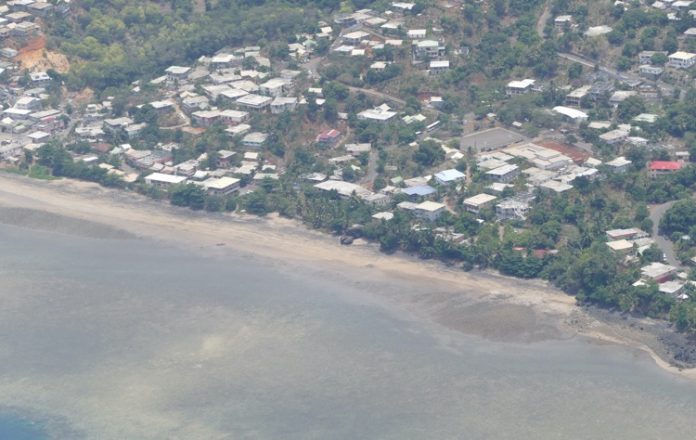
column 491, row 139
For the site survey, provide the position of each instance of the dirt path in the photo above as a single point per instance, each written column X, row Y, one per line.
column 543, row 18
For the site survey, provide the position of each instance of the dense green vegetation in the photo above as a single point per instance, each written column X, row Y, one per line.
column 680, row 219
column 113, row 43
column 61, row 164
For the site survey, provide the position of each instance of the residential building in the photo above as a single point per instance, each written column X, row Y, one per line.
column 429, row 210
column 355, row 38
column 417, row 34
column 650, row 72
column 428, row 49
column 344, row 189
column 658, row 272
column 563, row 22
column 232, row 117
column 619, row 165
column 621, row 246
column 476, row 203
column 614, row 137
column 116, row 124
column 275, row 87
column 620, row 96
column 164, row 180
column 515, row 208
column 28, row 103
column 40, row 79
column 449, row 177
column 521, row 87
column 382, row 113
column 571, row 115
column 576, row 96
column 504, row 174
column 358, row 149
column 254, row 102
column 254, row 139
column 661, row 167
column 437, row 67
column 221, row 186
column 225, row 60
column 645, row 57
column 555, row 186
column 681, row 60
column 419, row 192
column 283, row 104
column 625, row 234
column 205, row 118
column 177, row 73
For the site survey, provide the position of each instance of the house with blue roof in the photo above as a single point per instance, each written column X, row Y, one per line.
column 419, row 192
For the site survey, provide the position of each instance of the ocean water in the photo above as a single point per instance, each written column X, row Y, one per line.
column 13, row 427
column 141, row 339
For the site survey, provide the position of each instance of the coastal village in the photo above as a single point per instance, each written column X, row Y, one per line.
column 366, row 101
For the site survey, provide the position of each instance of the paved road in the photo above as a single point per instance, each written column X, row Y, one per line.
column 376, row 94
column 667, row 247
column 621, row 76
column 625, row 76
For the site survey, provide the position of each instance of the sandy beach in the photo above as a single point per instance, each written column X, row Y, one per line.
column 519, row 303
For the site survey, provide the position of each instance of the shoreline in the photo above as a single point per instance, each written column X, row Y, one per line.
column 289, row 240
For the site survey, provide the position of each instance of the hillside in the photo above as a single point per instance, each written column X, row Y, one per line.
column 529, row 136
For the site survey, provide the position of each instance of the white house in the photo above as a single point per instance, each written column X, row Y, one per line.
column 382, row 113
column 571, row 114
column 619, row 165
column 681, row 60
column 429, row 210
column 283, row 104
column 254, row 102
column 164, row 180
column 437, row 67
column 476, row 203
column 519, row 87
column 448, row 177
column 221, row 185
column 505, row 173
column 254, row 139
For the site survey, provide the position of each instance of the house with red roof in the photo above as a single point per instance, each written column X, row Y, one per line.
column 328, row 137
column 662, row 167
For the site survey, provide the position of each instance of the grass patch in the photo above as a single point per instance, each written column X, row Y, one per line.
column 34, row 171
column 13, row 170
column 40, row 172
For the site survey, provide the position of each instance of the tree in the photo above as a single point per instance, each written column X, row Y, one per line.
column 214, row 203
column 256, row 203
column 659, row 59
column 429, row 153
column 630, row 107
column 188, row 194
column 574, row 71
column 651, row 254
column 680, row 218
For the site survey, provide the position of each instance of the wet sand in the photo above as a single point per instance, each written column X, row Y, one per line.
column 476, row 303
column 122, row 317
